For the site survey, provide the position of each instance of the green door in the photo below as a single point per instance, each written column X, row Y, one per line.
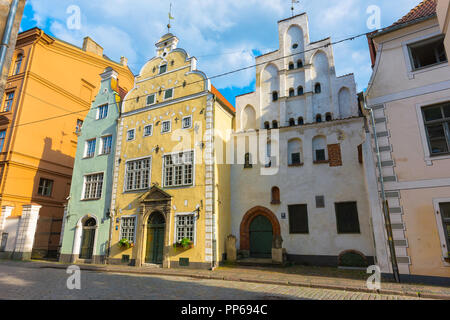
column 87, row 244
column 261, row 235
column 155, row 239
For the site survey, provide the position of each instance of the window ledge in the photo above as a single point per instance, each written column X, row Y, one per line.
column 321, row 161
column 91, row 199
column 248, row 166
column 296, row 165
column 275, row 202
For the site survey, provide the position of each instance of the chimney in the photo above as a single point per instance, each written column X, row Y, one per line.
column 124, row 61
column 91, row 46
column 108, row 74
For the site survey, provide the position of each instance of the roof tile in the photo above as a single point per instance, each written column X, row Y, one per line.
column 424, row 9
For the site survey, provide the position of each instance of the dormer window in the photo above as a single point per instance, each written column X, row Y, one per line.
column 274, row 96
column 163, row 69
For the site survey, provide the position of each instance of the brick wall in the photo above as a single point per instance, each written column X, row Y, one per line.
column 334, row 155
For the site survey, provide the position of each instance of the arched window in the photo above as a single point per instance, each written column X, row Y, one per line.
column 291, row 92
column 275, row 195
column 274, row 96
column 267, row 125
column 299, row 64
column 320, row 149
column 328, row 117
column 294, row 152
column 18, row 64
column 319, row 118
column 301, row 121
column 291, row 122
column 249, row 118
column 317, row 88
column 291, row 66
column 248, row 160
column 300, row 91
column 90, row 223
column 275, row 124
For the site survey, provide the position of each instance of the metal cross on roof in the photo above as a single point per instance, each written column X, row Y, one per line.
column 293, row 3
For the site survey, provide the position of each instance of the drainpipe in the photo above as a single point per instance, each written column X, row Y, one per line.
column 7, row 34
column 214, row 244
column 387, row 216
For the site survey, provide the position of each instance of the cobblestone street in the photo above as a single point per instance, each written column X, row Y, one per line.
column 23, row 282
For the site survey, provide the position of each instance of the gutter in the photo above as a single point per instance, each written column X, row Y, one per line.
column 8, row 30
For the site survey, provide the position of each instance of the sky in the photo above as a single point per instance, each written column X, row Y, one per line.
column 224, row 35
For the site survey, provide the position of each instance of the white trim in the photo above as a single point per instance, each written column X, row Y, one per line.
column 98, row 111
column 159, row 75
column 124, row 189
column 182, row 124
column 135, row 216
column 78, row 237
column 170, row 126
column 193, row 167
column 195, row 224
column 151, row 133
column 86, row 148
column 100, row 149
column 440, row 226
column 84, row 185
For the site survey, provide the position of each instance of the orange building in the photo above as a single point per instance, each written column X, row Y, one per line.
column 48, row 94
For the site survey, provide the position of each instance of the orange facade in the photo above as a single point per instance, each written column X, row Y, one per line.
column 49, row 92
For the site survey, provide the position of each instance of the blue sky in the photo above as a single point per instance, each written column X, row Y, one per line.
column 224, row 35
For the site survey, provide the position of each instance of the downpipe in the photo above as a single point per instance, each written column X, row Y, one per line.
column 7, row 34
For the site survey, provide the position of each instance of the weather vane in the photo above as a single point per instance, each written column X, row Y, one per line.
column 293, row 3
column 170, row 18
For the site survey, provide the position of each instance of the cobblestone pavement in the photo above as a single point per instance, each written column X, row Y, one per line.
column 18, row 282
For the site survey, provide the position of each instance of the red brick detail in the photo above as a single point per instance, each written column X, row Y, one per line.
column 334, row 155
column 360, row 154
column 247, row 220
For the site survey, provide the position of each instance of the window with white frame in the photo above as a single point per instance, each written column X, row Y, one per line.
column 185, row 227
column 148, row 130
column 106, row 145
column 131, row 134
column 168, row 94
column 187, row 122
column 89, row 151
column 437, row 128
column 166, row 126
column 93, row 185
column 427, row 53
column 179, row 169
column 151, row 99
column 128, row 228
column 138, row 174
column 445, row 214
column 102, row 112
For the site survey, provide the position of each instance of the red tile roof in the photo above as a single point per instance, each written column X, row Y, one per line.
column 122, row 93
column 222, row 99
column 424, row 9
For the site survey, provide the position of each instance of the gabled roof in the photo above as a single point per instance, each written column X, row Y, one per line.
column 223, row 99
column 424, row 9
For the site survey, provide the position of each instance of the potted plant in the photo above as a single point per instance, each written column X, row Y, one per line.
column 125, row 244
column 185, row 243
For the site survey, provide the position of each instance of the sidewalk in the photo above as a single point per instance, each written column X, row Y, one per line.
column 313, row 277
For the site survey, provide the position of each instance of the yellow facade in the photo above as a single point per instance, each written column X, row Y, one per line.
column 206, row 197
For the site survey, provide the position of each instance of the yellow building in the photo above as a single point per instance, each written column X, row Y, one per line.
column 171, row 186
column 49, row 91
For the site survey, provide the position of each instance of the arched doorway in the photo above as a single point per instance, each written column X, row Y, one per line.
column 261, row 236
column 88, row 239
column 155, row 238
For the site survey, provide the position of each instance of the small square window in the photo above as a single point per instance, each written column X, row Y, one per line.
column 90, row 148
column 45, row 187
column 166, row 126
column 151, row 99
column 320, row 155
column 187, row 122
column 427, row 53
column 148, row 130
column 347, row 218
column 106, row 146
column 320, row 202
column 295, row 157
column 9, row 99
column 168, row 94
column 163, row 69
column 102, row 112
column 131, row 134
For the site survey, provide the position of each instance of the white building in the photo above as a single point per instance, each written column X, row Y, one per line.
column 314, row 193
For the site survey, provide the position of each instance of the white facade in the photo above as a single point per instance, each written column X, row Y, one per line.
column 339, row 178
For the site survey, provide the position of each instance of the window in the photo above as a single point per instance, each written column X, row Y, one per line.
column 319, row 149
column 93, row 185
column 274, row 96
column 445, row 214
column 267, row 125
column 187, row 122
column 148, row 130
column 138, row 174
column 291, row 93
column 347, row 217
column 18, row 64
column 291, row 122
column 328, row 117
column 248, row 160
column 163, row 69
column 185, row 227
column 275, row 195
column 317, row 88
column 45, row 187
column 3, row 242
column 300, row 91
column 128, row 227
column 168, row 94
column 437, row 128
column 2, row 139
column 102, row 112
column 427, row 53
column 299, row 64
column 291, row 66
column 298, row 219
column 131, row 134
column 166, row 126
column 179, row 169
column 294, row 152
column 79, row 126
column 9, row 99
column 320, row 202
column 275, row 124
column 106, row 145
column 301, row 121
column 90, row 148
column 319, row 118
column 151, row 99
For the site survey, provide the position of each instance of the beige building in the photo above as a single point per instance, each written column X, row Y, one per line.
column 443, row 14
column 409, row 93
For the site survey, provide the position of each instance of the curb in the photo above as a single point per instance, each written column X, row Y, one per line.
column 260, row 281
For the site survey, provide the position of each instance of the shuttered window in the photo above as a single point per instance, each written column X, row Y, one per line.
column 347, row 217
column 298, row 219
